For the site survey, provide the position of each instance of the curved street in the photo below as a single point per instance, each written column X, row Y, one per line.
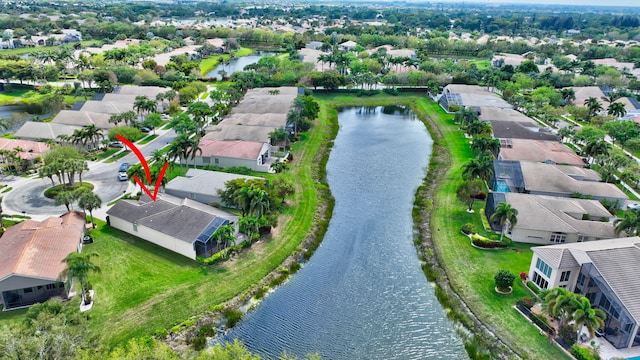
column 27, row 196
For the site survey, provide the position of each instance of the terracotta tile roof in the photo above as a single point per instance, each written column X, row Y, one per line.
column 231, row 148
column 31, row 149
column 37, row 248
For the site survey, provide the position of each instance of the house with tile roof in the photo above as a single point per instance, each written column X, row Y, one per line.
column 39, row 131
column 552, row 220
column 254, row 155
column 473, row 96
column 31, row 255
column 550, row 152
column 605, row 272
column 181, row 225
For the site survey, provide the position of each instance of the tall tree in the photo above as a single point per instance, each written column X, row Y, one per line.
column 89, row 201
column 617, row 109
column 629, row 223
column 79, row 265
column 506, row 215
column 585, row 315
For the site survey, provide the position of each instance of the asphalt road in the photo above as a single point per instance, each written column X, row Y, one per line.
column 28, row 197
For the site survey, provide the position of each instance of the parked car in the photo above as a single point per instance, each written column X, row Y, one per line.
column 633, row 206
column 146, row 129
column 123, row 176
column 124, row 167
column 165, row 117
column 116, row 144
column 87, row 239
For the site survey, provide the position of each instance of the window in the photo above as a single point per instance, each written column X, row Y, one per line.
column 544, row 268
column 581, row 279
column 539, row 280
column 51, row 286
column 558, row 238
column 216, row 160
column 565, row 276
column 27, row 290
column 607, row 306
column 135, row 227
column 582, row 238
column 206, row 160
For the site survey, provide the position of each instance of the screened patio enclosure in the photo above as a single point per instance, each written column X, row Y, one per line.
column 620, row 328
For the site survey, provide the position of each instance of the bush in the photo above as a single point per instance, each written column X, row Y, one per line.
column 207, row 330
column 199, row 342
column 526, row 302
column 504, row 280
column 533, row 287
column 468, row 228
column 233, row 316
column 295, row 267
column 583, row 353
column 454, row 108
column 53, row 191
column 568, row 334
column 486, row 243
column 161, row 333
column 391, row 91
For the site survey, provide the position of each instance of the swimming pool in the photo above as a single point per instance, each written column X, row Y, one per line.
column 501, row 186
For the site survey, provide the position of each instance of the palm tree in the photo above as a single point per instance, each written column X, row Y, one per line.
column 568, row 95
column 507, row 216
column 259, row 203
column 79, row 266
column 611, row 97
column 558, row 303
column 567, row 132
column 93, row 134
column 486, row 144
column 478, row 127
column 593, row 105
column 194, row 149
column 128, row 117
column 140, row 104
column 617, row 109
column 629, row 223
column 466, row 116
column 595, row 148
column 478, row 168
column 224, row 235
column 90, row 201
column 67, row 198
column 585, row 315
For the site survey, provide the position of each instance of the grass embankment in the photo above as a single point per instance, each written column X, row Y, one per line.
column 143, row 287
column 208, row 64
column 469, row 270
column 21, row 96
column 27, row 50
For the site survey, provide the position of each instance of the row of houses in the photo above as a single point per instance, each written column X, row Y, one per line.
column 558, row 203
column 243, row 138
column 92, row 112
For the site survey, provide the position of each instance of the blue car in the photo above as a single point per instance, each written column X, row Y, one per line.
column 124, row 167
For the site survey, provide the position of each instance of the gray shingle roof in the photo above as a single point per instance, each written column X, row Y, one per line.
column 183, row 219
column 521, row 130
column 39, row 130
column 547, row 213
column 204, row 182
column 617, row 260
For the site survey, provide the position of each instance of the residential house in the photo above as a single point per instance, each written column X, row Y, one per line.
column 27, row 150
column 42, row 131
column 225, row 153
column 470, row 96
column 606, row 272
column 521, row 130
column 347, row 46
column 202, row 185
column 546, row 219
column 550, row 152
column 553, row 180
column 31, row 258
column 181, row 225
column 585, row 92
column 314, row 45
column 83, row 118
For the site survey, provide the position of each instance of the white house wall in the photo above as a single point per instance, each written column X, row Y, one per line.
column 228, row 162
column 155, row 237
column 199, row 197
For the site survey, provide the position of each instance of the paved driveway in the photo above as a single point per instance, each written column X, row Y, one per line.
column 28, row 194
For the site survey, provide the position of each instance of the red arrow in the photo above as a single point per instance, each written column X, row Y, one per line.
column 144, row 164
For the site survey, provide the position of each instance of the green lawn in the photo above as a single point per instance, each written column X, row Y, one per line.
column 471, row 270
column 18, row 96
column 143, row 287
column 147, row 139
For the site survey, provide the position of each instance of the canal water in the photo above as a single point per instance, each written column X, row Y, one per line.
column 363, row 294
column 237, row 64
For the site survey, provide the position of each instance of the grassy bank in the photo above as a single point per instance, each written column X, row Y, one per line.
column 469, row 270
column 210, row 63
column 143, row 287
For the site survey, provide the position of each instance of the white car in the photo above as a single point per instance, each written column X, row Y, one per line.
column 122, row 176
column 633, row 206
